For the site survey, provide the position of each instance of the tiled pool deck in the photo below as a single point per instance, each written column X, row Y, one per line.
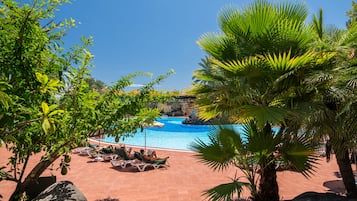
column 184, row 180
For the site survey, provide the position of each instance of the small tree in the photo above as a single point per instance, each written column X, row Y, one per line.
column 46, row 104
column 256, row 152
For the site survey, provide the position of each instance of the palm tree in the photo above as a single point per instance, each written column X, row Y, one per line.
column 254, row 151
column 247, row 68
column 337, row 83
column 260, row 63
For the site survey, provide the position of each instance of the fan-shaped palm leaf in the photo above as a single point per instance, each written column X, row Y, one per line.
column 221, row 150
column 240, row 66
column 285, row 62
column 301, row 153
column 262, row 114
column 226, row 191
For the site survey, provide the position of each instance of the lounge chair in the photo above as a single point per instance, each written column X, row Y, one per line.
column 123, row 158
column 92, row 153
column 82, row 151
column 143, row 163
column 104, row 154
column 107, row 153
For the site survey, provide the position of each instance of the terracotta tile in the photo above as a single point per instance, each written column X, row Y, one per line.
column 184, row 180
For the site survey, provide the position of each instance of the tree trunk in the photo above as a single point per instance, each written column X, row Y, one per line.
column 33, row 176
column 344, row 164
column 268, row 186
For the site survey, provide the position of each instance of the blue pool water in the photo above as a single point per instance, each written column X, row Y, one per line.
column 174, row 135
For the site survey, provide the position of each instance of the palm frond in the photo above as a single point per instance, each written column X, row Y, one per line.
column 220, row 151
column 301, row 153
column 218, row 46
column 262, row 114
column 236, row 66
column 259, row 143
column 352, row 84
column 318, row 24
column 296, row 11
column 285, row 62
column 230, row 21
column 226, row 191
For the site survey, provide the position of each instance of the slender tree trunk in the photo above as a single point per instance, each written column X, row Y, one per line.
column 268, row 186
column 33, row 176
column 344, row 164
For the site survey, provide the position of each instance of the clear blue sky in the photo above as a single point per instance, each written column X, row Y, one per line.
column 158, row 35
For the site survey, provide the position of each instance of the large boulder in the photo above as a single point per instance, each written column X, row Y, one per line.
column 313, row 196
column 61, row 191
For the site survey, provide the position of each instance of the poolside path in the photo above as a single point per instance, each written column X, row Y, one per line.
column 184, row 180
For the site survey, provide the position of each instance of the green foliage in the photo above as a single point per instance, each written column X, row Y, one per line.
column 254, row 68
column 335, row 117
column 352, row 14
column 96, row 85
column 269, row 67
column 226, row 191
column 47, row 85
column 47, row 105
column 251, row 150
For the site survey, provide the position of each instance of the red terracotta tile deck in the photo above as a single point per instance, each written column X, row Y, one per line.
column 184, row 180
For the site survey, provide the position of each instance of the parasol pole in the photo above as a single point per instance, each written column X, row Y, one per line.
column 145, row 139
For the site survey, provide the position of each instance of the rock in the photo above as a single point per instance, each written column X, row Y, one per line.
column 61, row 191
column 195, row 121
column 313, row 196
column 40, row 185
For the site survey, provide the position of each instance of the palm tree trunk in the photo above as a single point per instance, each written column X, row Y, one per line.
column 348, row 178
column 268, row 187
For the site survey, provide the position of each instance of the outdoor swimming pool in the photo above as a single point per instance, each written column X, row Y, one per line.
column 174, row 135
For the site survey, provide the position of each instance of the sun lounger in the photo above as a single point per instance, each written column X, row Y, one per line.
column 108, row 157
column 82, row 151
column 143, row 163
column 123, row 159
column 140, row 165
column 92, row 153
column 121, row 162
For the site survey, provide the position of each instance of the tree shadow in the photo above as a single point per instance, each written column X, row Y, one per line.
column 335, row 186
column 129, row 169
column 66, row 190
column 108, row 199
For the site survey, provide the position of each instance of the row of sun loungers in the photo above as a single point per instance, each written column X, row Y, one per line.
column 95, row 155
column 120, row 158
column 123, row 160
column 140, row 165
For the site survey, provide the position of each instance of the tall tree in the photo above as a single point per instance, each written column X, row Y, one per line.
column 260, row 63
column 352, row 14
column 96, row 85
column 336, row 116
column 48, row 107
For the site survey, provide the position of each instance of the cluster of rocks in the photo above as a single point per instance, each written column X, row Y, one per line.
column 195, row 121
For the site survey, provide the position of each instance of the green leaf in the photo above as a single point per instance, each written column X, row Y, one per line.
column 55, row 112
column 54, row 83
column 52, row 107
column 46, row 126
column 42, row 78
column 45, row 108
column 226, row 191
